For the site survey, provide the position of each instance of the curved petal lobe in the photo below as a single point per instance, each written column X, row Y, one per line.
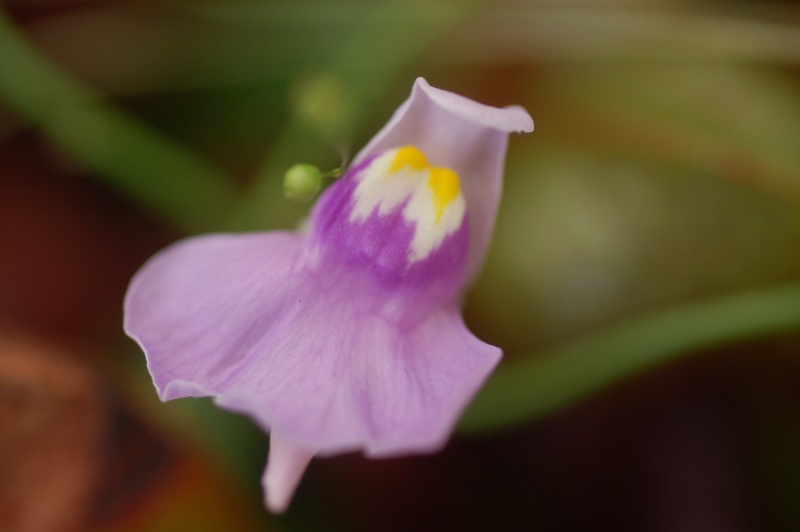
column 377, row 377
column 197, row 307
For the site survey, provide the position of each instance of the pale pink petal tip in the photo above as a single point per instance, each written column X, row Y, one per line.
column 511, row 119
column 285, row 467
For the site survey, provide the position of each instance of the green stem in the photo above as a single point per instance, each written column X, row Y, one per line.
column 156, row 170
column 540, row 384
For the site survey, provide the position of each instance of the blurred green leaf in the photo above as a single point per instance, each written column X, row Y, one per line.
column 608, row 238
column 643, row 30
column 586, row 239
column 544, row 382
column 156, row 170
column 138, row 48
column 736, row 121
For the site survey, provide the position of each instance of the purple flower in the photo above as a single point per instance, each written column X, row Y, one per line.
column 347, row 336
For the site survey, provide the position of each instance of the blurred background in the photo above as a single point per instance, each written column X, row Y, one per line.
column 644, row 281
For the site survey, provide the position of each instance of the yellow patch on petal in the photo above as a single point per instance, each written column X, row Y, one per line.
column 432, row 195
column 445, row 186
column 443, row 182
column 408, row 156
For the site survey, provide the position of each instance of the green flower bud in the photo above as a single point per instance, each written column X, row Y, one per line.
column 301, row 182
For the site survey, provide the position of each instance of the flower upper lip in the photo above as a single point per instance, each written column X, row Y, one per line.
column 458, row 133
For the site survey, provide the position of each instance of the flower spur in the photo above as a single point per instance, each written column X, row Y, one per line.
column 347, row 336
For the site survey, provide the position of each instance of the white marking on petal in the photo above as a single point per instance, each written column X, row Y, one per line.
column 384, row 187
column 380, row 188
column 430, row 232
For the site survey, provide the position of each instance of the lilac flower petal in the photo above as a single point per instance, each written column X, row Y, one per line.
column 333, row 363
column 197, row 307
column 379, row 377
column 461, row 134
column 285, row 467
